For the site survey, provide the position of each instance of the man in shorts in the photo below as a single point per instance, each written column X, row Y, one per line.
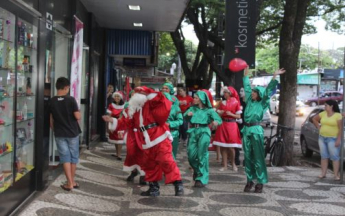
column 64, row 116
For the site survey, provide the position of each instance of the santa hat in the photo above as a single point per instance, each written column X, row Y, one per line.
column 119, row 93
column 232, row 92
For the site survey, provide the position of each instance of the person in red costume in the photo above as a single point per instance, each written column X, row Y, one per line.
column 148, row 111
column 228, row 135
column 114, row 110
column 185, row 102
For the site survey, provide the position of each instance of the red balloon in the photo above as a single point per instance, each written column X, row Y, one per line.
column 237, row 65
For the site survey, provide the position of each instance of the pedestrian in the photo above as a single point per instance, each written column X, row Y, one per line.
column 110, row 91
column 115, row 110
column 329, row 124
column 148, row 112
column 64, row 116
column 257, row 100
column 135, row 157
column 228, row 135
column 185, row 102
column 240, row 125
column 175, row 119
column 200, row 116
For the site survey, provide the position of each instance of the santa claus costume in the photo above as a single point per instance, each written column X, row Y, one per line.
column 135, row 157
column 115, row 110
column 147, row 113
column 228, row 135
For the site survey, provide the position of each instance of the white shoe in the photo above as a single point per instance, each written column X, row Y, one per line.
column 235, row 168
column 223, row 169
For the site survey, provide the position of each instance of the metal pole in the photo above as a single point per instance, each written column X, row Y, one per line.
column 318, row 71
column 342, row 137
column 219, row 51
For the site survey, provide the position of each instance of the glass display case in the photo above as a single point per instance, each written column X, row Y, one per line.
column 18, row 83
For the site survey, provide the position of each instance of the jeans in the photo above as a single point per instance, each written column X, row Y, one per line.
column 328, row 149
column 68, row 149
column 183, row 130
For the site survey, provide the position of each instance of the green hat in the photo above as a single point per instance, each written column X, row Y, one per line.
column 260, row 90
column 171, row 87
column 204, row 98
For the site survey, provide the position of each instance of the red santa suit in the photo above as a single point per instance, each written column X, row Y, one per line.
column 152, row 135
column 114, row 111
column 228, row 134
column 135, row 157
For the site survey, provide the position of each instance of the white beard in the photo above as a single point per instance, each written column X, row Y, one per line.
column 136, row 102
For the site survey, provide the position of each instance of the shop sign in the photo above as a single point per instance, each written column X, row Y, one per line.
column 153, row 79
column 77, row 61
column 49, row 21
column 240, row 31
column 308, row 79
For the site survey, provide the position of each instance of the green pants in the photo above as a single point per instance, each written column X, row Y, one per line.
column 175, row 146
column 254, row 155
column 197, row 151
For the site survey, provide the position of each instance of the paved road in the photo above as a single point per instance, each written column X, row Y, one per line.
column 103, row 191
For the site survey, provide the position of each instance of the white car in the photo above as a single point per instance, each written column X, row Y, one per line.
column 274, row 105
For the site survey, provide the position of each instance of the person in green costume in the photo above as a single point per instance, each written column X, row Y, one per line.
column 175, row 118
column 258, row 100
column 200, row 116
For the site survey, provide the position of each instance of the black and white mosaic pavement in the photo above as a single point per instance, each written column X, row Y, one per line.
column 103, row 191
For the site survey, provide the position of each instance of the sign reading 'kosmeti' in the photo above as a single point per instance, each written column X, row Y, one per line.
column 240, row 31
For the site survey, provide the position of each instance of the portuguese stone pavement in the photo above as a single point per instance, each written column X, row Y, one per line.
column 103, row 191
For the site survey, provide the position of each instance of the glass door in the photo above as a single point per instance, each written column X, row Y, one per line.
column 84, row 95
column 7, row 86
column 26, row 79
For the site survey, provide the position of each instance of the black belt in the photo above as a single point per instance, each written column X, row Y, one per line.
column 251, row 124
column 171, row 129
column 229, row 120
column 198, row 125
column 146, row 127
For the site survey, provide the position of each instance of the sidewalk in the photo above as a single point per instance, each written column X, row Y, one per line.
column 104, row 191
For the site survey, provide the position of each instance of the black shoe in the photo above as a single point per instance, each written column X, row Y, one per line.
column 130, row 178
column 142, row 180
column 152, row 191
column 248, row 186
column 258, row 188
column 178, row 188
column 198, row 184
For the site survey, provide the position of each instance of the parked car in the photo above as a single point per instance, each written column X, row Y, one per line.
column 309, row 137
column 274, row 105
column 329, row 95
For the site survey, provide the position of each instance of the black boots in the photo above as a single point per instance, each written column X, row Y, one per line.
column 178, row 188
column 248, row 186
column 130, row 178
column 258, row 188
column 142, row 180
column 152, row 191
column 199, row 184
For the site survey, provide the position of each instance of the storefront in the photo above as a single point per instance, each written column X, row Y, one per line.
column 19, row 119
column 36, row 43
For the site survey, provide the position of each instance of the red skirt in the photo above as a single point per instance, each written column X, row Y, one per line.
column 228, row 135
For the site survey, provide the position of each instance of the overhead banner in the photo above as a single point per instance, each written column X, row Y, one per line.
column 240, row 27
column 77, row 61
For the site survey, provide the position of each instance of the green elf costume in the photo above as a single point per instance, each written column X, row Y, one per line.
column 175, row 119
column 199, row 137
column 253, row 134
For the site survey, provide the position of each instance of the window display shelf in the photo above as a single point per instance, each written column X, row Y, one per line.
column 28, row 119
column 5, row 153
column 7, row 183
column 6, row 124
column 2, row 39
column 23, row 171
